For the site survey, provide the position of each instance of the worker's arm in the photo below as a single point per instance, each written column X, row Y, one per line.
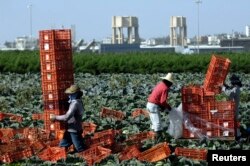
column 68, row 115
column 163, row 101
column 229, row 92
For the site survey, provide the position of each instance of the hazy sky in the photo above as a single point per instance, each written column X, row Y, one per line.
column 92, row 18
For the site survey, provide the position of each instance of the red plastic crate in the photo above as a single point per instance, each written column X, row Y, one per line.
column 95, row 154
column 118, row 147
column 63, row 45
column 61, row 105
column 224, row 110
column 88, row 128
column 106, row 112
column 37, row 116
column 56, row 85
column 59, row 134
column 104, row 138
column 46, row 35
column 129, row 153
column 192, row 108
column 54, row 95
column 216, row 73
column 1, row 116
column 6, row 158
column 208, row 97
column 52, row 126
column 12, row 117
column 37, row 146
column 139, row 111
column 54, row 35
column 48, row 56
column 15, row 156
column 62, row 34
column 52, row 154
column 230, row 124
column 187, row 134
column 7, row 134
column 192, row 94
column 141, row 137
column 57, row 65
column 53, row 143
column 106, row 132
column 194, row 119
column 225, row 105
column 156, row 153
column 197, row 154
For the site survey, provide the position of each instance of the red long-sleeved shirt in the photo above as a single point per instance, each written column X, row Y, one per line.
column 159, row 95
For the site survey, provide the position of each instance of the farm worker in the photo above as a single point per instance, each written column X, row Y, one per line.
column 233, row 93
column 157, row 101
column 73, row 119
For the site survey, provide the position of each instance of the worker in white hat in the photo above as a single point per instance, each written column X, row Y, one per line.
column 157, row 101
column 73, row 119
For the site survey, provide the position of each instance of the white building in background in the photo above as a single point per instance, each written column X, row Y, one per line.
column 248, row 30
column 26, row 43
column 107, row 40
column 213, row 40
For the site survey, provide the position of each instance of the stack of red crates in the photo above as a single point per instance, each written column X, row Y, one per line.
column 56, row 73
column 213, row 118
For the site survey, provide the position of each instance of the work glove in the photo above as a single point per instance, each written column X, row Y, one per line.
column 52, row 117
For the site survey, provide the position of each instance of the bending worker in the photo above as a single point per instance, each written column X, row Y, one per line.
column 157, row 101
column 73, row 119
column 233, row 93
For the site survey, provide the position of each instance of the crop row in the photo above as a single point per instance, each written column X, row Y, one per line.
column 28, row 61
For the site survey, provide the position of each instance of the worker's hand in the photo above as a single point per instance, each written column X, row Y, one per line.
column 223, row 88
column 52, row 117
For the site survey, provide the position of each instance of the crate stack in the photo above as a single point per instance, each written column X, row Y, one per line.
column 56, row 73
column 215, row 119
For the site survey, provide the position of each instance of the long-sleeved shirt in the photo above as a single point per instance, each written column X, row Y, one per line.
column 159, row 95
column 73, row 116
column 233, row 94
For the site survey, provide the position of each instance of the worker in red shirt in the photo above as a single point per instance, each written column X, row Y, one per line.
column 157, row 102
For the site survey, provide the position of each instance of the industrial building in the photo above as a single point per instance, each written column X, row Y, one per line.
column 178, row 31
column 132, row 26
column 125, row 38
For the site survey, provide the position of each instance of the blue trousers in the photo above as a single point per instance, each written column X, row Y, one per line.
column 70, row 138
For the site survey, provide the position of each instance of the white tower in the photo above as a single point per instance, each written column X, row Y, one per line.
column 247, row 30
column 178, row 31
column 131, row 23
column 73, row 33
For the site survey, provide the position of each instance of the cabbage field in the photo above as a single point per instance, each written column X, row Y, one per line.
column 21, row 94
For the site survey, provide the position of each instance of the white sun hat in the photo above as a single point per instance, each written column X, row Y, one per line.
column 72, row 89
column 168, row 77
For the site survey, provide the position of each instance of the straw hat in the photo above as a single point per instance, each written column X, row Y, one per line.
column 168, row 77
column 72, row 89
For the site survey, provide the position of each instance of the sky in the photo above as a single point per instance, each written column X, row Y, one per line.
column 93, row 18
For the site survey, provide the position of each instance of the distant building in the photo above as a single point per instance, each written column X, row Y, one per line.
column 213, row 40
column 107, row 40
column 132, row 25
column 243, row 42
column 26, row 43
column 178, row 31
column 248, row 31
